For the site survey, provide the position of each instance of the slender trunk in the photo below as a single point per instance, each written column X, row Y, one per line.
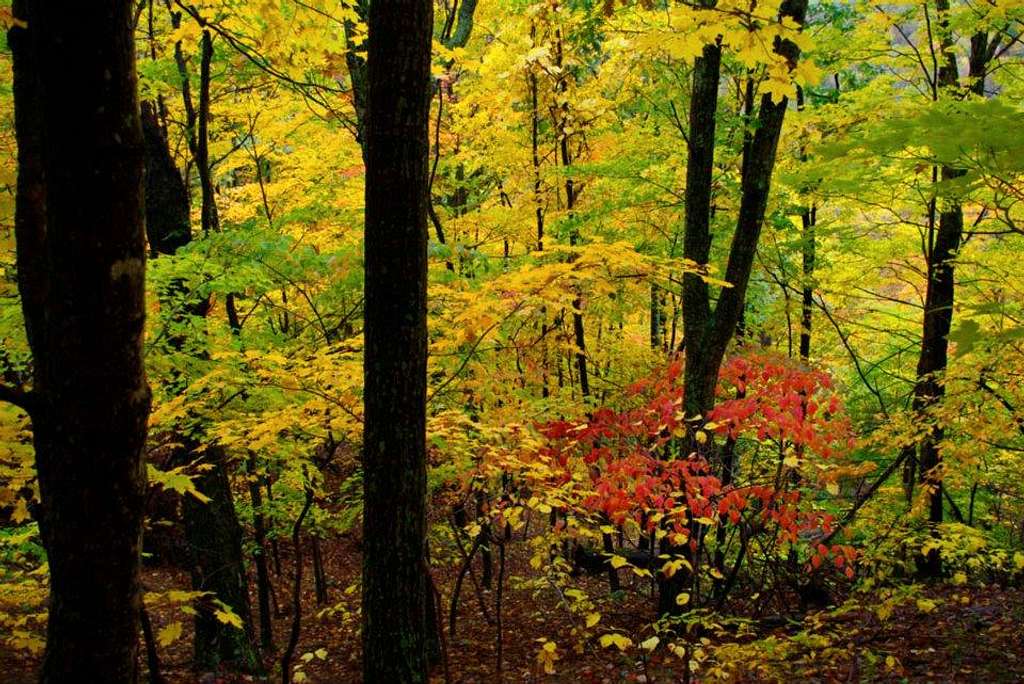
column 259, row 525
column 210, row 222
column 296, row 628
column 944, row 243
column 562, row 125
column 708, row 332
column 152, row 657
column 809, row 219
column 657, row 321
column 535, row 148
column 275, row 547
column 319, row 577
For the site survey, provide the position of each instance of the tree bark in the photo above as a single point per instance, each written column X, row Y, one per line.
column 259, row 524
column 215, row 541
column 944, row 243
column 81, row 258
column 394, row 438
column 168, row 226
column 708, row 331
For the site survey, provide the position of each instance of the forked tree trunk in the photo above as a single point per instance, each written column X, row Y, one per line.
column 708, row 330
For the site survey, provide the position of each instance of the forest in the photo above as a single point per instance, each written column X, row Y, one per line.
column 402, row 341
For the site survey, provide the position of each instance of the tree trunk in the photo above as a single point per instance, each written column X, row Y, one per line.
column 208, row 212
column 809, row 219
column 215, row 541
column 81, row 258
column 211, row 529
column 942, row 249
column 259, row 525
column 394, row 438
column 708, row 332
column 168, row 226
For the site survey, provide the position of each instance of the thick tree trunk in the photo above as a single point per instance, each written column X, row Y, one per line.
column 394, row 437
column 697, row 233
column 167, row 218
column 81, row 258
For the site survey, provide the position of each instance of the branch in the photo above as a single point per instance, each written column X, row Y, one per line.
column 863, row 499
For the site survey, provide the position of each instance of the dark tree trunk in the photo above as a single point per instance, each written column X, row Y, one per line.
column 657, row 318
column 809, row 218
column 197, row 122
column 215, row 541
column 81, row 258
column 212, row 530
column 208, row 212
column 394, row 437
column 535, row 149
column 697, row 233
column 355, row 60
column 259, row 524
column 808, row 221
column 319, row 576
column 167, row 217
column 942, row 248
column 708, row 332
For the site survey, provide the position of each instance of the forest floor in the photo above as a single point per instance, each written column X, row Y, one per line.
column 973, row 635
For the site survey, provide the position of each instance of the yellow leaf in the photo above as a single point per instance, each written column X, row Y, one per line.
column 650, row 644
column 617, row 640
column 593, row 619
column 618, row 562
column 682, row 599
column 169, row 634
column 20, row 513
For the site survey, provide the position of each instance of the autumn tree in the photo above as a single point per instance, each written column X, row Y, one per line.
column 708, row 329
column 395, row 591
column 81, row 258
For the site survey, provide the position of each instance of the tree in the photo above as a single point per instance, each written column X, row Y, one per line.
column 943, row 243
column 81, row 257
column 212, row 530
column 708, row 330
column 394, row 439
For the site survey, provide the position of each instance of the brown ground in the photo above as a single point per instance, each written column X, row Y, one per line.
column 980, row 640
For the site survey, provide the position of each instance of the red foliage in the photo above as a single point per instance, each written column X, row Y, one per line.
column 626, row 452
